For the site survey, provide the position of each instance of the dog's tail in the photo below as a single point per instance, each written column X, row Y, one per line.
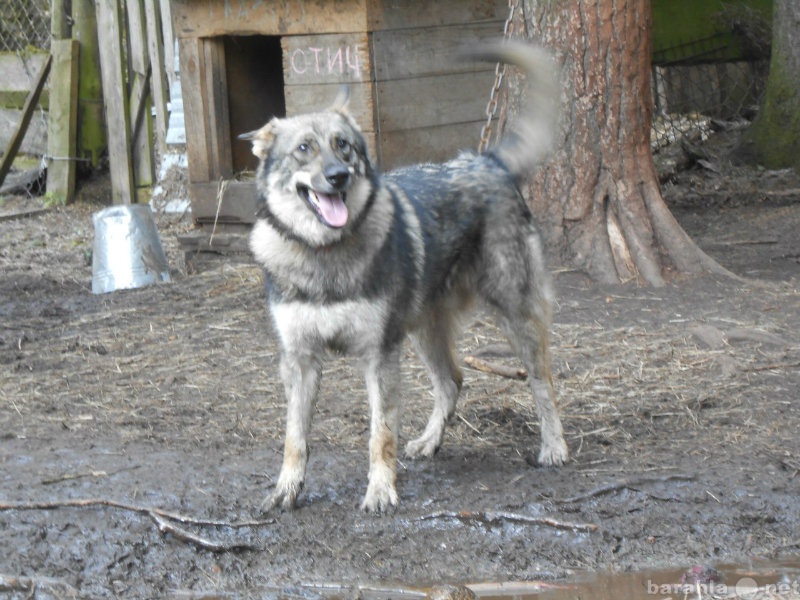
column 530, row 138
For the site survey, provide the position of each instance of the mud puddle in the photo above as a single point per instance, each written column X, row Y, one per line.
column 762, row 580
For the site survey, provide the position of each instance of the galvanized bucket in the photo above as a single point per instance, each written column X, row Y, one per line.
column 127, row 250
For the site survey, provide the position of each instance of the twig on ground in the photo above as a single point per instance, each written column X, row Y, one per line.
column 495, row 369
column 96, row 474
column 491, row 517
column 625, row 484
column 11, row 583
column 161, row 518
column 165, row 526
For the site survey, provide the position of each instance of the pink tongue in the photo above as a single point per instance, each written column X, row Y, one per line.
column 332, row 209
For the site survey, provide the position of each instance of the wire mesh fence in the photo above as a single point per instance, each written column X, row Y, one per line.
column 697, row 81
column 25, row 25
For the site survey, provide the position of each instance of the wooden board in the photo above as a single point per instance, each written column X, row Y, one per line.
column 158, row 76
column 410, row 53
column 326, row 58
column 228, row 202
column 109, row 33
column 205, row 104
column 139, row 102
column 428, row 99
column 62, row 133
column 434, row 144
column 17, row 78
column 27, row 112
column 433, row 101
column 206, row 18
column 405, row 14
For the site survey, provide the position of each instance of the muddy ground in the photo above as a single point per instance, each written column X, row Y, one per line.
column 680, row 406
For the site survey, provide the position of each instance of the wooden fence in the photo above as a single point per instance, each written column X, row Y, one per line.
column 124, row 48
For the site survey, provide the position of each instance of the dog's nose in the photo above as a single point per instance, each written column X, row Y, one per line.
column 337, row 176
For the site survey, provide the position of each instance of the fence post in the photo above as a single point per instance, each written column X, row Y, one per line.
column 92, row 141
column 62, row 122
column 109, row 34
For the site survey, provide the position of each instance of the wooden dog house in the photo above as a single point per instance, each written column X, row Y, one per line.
column 244, row 61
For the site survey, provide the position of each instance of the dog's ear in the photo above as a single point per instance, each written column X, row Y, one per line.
column 342, row 100
column 262, row 139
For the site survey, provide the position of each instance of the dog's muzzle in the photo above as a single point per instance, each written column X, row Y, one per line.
column 330, row 209
column 326, row 195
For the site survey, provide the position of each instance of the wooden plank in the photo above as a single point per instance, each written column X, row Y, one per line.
column 17, row 75
column 312, row 98
column 217, row 112
column 27, row 113
column 59, row 29
column 138, row 103
column 428, row 144
column 16, row 100
column 207, row 18
column 404, row 14
column 432, row 101
column 168, row 36
column 205, row 105
column 109, row 34
column 158, row 81
column 327, row 58
column 238, row 203
column 192, row 90
column 62, row 135
column 428, row 52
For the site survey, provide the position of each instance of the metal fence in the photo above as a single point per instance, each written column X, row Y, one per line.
column 697, row 81
column 25, row 25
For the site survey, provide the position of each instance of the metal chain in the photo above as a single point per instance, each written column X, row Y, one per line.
column 499, row 76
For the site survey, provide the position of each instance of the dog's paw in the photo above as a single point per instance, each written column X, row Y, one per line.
column 284, row 497
column 381, row 497
column 422, row 447
column 554, row 454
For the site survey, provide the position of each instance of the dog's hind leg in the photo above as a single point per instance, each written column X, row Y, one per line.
column 529, row 337
column 434, row 343
column 381, row 376
column 301, row 377
column 516, row 285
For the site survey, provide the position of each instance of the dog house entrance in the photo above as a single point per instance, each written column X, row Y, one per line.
column 254, row 72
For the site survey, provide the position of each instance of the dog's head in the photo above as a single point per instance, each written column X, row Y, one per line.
column 314, row 178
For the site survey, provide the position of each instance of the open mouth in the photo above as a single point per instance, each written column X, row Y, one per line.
column 329, row 208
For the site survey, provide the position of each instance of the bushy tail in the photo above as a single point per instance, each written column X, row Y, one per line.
column 529, row 138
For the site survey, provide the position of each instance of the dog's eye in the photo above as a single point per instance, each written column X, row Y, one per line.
column 343, row 145
column 304, row 148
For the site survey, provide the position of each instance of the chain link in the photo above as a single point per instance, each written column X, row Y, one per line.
column 499, row 76
column 25, row 25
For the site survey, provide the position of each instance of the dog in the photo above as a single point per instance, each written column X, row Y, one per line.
column 355, row 261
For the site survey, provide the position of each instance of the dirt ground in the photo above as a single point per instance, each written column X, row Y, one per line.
column 140, row 430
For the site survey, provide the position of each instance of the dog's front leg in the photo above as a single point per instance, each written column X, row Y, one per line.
column 381, row 379
column 301, row 377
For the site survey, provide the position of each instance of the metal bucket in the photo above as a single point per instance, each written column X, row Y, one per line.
column 127, row 250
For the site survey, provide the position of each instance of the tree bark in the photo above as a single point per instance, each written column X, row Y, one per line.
column 775, row 135
column 598, row 200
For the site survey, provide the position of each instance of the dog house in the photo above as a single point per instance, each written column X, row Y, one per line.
column 245, row 61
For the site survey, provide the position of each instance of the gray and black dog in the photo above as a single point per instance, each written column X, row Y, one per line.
column 356, row 260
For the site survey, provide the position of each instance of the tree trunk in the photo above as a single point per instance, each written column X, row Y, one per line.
column 598, row 200
column 775, row 135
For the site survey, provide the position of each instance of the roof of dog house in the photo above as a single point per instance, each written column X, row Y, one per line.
column 245, row 61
